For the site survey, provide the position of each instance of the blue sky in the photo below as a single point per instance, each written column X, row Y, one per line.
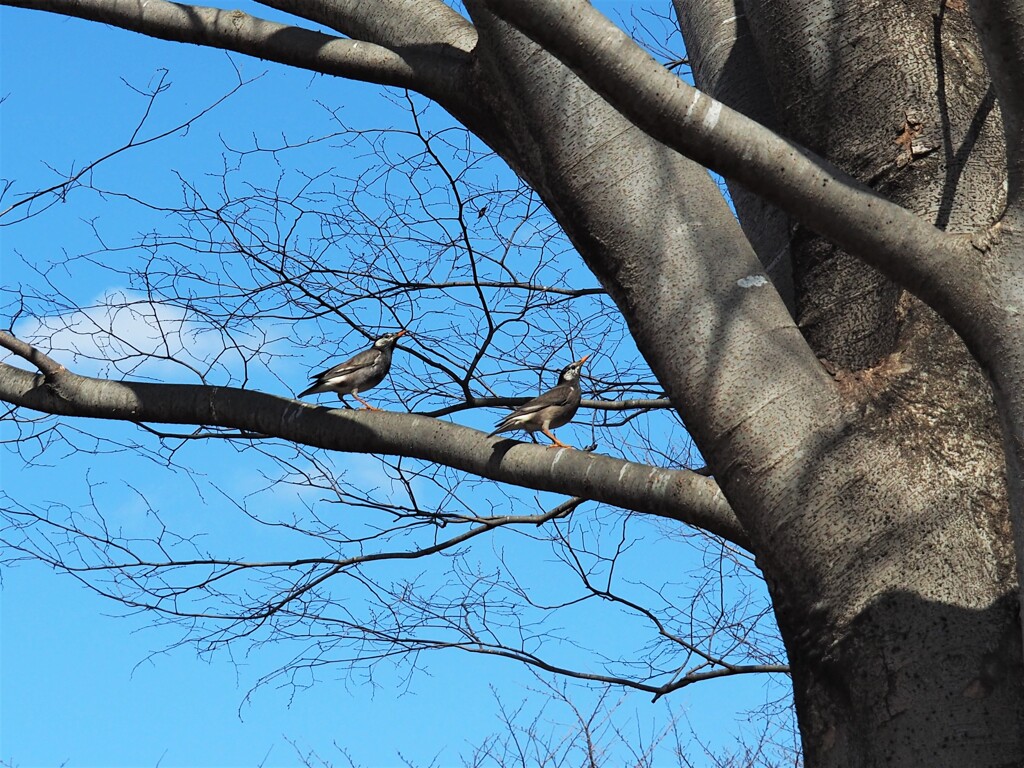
column 83, row 684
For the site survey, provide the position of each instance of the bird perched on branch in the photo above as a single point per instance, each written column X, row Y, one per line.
column 553, row 409
column 364, row 371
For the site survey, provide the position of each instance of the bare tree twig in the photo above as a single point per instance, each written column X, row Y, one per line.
column 60, row 190
column 512, row 402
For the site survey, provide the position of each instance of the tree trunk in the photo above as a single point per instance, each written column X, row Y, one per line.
column 876, row 500
column 903, row 633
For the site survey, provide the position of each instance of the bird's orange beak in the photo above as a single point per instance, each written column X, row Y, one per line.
column 582, row 360
column 401, row 333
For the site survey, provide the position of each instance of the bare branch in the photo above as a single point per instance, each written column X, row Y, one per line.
column 43, row 362
column 677, row 494
column 60, row 190
column 513, row 402
column 485, row 525
column 240, row 32
column 657, row 690
column 229, row 567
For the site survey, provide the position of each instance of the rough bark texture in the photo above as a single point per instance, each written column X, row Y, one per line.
column 863, row 86
column 863, row 539
column 905, row 635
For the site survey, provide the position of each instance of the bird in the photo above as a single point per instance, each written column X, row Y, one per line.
column 364, row 371
column 553, row 409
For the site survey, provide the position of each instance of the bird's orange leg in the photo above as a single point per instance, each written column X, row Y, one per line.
column 366, row 405
column 556, row 442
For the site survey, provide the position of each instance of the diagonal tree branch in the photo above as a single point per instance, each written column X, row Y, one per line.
column 715, row 333
column 727, row 66
column 237, row 31
column 1000, row 25
column 394, row 24
column 676, row 494
column 903, row 246
column 46, row 364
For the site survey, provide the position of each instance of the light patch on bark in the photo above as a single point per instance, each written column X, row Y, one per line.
column 658, row 482
column 693, row 106
column 752, row 281
column 714, row 112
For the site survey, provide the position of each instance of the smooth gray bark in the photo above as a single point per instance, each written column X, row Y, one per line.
column 728, row 67
column 807, row 187
column 240, row 32
column 397, row 24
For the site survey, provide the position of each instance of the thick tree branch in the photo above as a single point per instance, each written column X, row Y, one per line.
column 425, row 31
column 677, row 494
column 1000, row 25
column 237, row 31
column 903, row 246
column 727, row 65
column 394, row 24
column 715, row 333
column 40, row 360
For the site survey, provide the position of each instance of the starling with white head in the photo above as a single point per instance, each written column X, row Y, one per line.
column 364, row 371
column 553, row 409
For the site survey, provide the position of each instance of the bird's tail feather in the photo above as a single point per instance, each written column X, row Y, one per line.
column 503, row 426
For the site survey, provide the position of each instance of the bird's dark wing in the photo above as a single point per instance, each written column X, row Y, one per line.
column 364, row 359
column 561, row 396
column 556, row 396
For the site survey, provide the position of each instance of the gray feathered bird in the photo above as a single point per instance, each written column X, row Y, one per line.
column 553, row 409
column 364, row 371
